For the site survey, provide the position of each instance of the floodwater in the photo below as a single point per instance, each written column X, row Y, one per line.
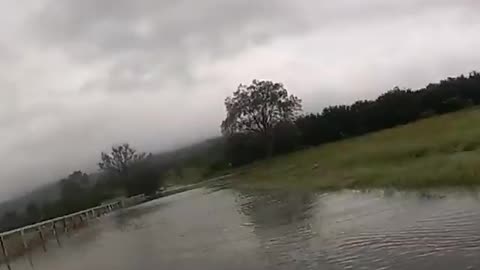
column 223, row 228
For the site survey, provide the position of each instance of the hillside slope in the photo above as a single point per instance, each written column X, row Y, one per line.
column 434, row 152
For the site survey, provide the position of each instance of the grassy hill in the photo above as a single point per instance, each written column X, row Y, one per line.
column 435, row 152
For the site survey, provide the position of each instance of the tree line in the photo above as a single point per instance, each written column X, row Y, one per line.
column 263, row 120
column 124, row 172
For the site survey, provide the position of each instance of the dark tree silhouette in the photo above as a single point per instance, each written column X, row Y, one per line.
column 258, row 108
column 76, row 193
column 120, row 159
column 33, row 213
column 131, row 171
column 143, row 178
column 10, row 220
column 394, row 107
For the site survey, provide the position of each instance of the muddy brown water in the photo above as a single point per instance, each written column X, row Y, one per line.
column 222, row 228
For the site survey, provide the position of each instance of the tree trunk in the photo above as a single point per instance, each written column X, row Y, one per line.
column 270, row 143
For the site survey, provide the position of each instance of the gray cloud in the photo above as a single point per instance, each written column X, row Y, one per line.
column 162, row 38
column 125, row 25
column 78, row 76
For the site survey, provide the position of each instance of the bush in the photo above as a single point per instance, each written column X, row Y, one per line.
column 143, row 178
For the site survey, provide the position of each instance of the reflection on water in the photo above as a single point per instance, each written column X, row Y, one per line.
column 281, row 224
column 221, row 228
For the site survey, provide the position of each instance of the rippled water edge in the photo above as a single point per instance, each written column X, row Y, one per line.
column 222, row 228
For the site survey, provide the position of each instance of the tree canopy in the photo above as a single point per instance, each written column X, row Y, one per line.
column 259, row 107
column 120, row 159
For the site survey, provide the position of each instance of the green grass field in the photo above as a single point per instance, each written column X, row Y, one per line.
column 440, row 151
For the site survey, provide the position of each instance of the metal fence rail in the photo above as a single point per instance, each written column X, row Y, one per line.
column 109, row 206
column 51, row 227
column 22, row 239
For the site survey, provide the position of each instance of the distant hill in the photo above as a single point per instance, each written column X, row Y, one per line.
column 203, row 152
column 47, row 193
column 195, row 158
column 192, row 163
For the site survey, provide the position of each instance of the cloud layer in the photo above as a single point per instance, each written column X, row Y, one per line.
column 78, row 76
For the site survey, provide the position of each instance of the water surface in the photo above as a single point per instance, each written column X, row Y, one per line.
column 221, row 228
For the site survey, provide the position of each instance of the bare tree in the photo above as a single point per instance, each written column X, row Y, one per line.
column 120, row 159
column 258, row 108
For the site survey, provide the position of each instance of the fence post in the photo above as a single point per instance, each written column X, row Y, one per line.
column 25, row 247
column 42, row 238
column 5, row 252
column 86, row 217
column 65, row 227
column 56, row 234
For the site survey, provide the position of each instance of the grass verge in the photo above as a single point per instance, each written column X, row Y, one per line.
column 442, row 151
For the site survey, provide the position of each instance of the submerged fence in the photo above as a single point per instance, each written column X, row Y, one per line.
column 20, row 241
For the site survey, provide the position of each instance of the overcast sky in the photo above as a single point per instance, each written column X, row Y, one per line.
column 77, row 76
